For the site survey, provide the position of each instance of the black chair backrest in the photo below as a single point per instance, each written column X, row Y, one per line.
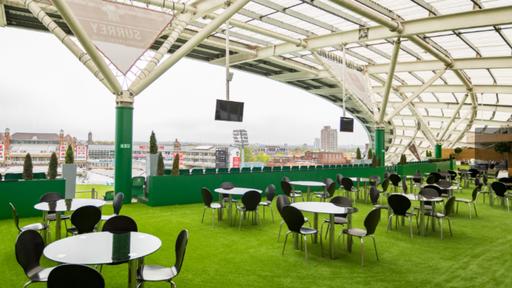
column 339, row 177
column 207, row 196
column 448, row 207
column 347, row 183
column 270, row 191
column 374, row 195
column 180, row 248
column 395, row 179
column 453, row 174
column 15, row 216
column 120, row 224
column 29, row 249
column 399, row 204
column 86, row 218
column 328, row 181
column 293, row 218
column 429, row 192
column 385, row 185
column 499, row 188
column 76, row 276
column 431, row 179
column 118, row 202
column 286, row 187
column 50, row 197
column 285, row 178
column 473, row 172
column 474, row 194
column 330, row 189
column 433, row 187
column 417, row 178
column 281, row 202
column 227, row 185
column 341, row 202
column 371, row 221
column 251, row 199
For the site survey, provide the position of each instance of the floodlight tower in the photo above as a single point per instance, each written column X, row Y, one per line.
column 241, row 139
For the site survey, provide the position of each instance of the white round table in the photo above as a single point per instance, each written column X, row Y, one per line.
column 230, row 192
column 326, row 208
column 308, row 184
column 65, row 205
column 105, row 248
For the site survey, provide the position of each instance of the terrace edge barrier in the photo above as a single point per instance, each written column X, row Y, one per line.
column 25, row 194
column 186, row 189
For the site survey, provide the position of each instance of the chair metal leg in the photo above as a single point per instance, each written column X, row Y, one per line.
column 280, row 228
column 375, row 247
column 474, row 207
column 213, row 217
column 469, row 210
column 441, row 227
column 450, row 226
column 306, row 246
column 457, row 209
column 285, row 240
column 271, row 213
column 27, row 284
column 362, row 250
column 204, row 210
column 410, row 226
column 390, row 223
column 242, row 215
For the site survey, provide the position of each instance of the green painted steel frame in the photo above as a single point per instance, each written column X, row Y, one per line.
column 123, row 151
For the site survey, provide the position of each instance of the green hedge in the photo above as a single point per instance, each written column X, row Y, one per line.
column 25, row 194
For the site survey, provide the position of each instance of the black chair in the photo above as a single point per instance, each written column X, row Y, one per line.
column 400, row 205
column 370, row 223
column 155, row 273
column 385, row 186
column 485, row 190
column 117, row 204
column 500, row 189
column 469, row 202
column 281, row 202
column 433, row 187
column 395, row 180
column 84, row 220
column 270, row 191
column 339, row 219
column 51, row 215
column 250, row 202
column 348, row 186
column 29, row 249
column 76, row 276
column 225, row 197
column 39, row 227
column 329, row 191
column 473, row 173
column 294, row 219
column 288, row 190
column 120, row 224
column 448, row 210
column 339, row 179
column 209, row 204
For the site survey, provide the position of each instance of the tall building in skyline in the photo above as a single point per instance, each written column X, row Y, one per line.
column 316, row 144
column 329, row 139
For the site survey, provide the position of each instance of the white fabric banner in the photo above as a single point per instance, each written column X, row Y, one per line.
column 355, row 82
column 121, row 32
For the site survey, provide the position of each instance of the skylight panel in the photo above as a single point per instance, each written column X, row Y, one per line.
column 489, row 43
column 411, row 80
column 370, row 54
column 405, row 8
column 505, row 99
column 503, row 76
column 451, row 6
column 299, row 23
column 455, row 46
column 479, row 76
column 324, row 16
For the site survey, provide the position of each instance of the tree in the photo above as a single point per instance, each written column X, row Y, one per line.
column 262, row 157
column 358, row 153
column 176, row 165
column 248, row 155
column 370, row 153
column 153, row 147
column 502, row 147
column 70, row 155
column 403, row 159
column 28, row 167
column 428, row 153
column 160, row 165
column 52, row 167
column 457, row 150
column 375, row 162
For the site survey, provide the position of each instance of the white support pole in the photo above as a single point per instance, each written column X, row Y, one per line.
column 82, row 56
column 420, row 90
column 454, row 116
column 80, row 34
column 389, row 80
column 3, row 19
column 343, row 88
column 227, row 61
column 188, row 46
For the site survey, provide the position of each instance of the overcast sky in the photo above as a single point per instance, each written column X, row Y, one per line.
column 44, row 88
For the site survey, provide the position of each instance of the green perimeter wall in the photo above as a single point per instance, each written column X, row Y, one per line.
column 184, row 189
column 25, row 194
column 168, row 190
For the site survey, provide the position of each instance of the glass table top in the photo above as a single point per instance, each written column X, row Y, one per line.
column 102, row 248
column 68, row 204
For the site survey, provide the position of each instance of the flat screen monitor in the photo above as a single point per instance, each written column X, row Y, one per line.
column 346, row 124
column 229, row 111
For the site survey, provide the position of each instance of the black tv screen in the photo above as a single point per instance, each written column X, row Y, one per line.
column 229, row 111
column 346, row 124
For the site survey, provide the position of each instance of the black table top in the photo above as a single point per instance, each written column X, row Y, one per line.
column 66, row 205
column 102, row 248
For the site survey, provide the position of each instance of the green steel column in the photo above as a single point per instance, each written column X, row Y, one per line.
column 439, row 151
column 380, row 151
column 123, row 150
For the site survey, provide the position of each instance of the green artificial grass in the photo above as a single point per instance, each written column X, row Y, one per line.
column 478, row 254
